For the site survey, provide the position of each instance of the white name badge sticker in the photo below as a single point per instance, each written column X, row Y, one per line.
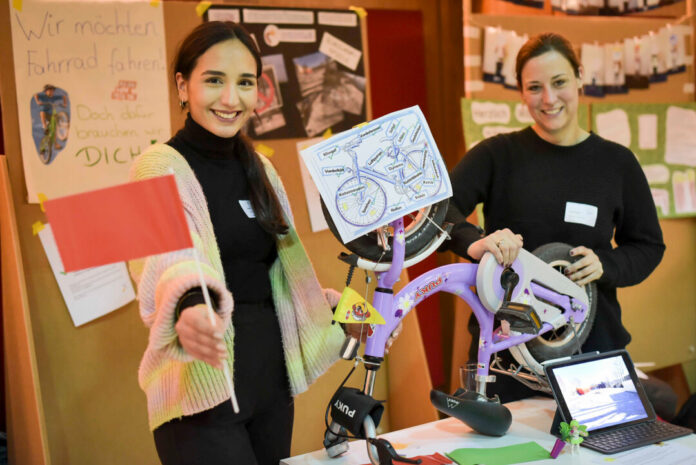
column 246, row 206
column 580, row 213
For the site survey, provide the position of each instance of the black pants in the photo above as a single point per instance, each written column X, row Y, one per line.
column 261, row 433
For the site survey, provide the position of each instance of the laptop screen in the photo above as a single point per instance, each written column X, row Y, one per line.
column 599, row 392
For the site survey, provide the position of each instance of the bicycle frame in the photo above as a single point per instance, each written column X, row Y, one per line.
column 456, row 279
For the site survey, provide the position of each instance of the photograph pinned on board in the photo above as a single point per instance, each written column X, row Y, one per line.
column 310, row 70
column 50, row 122
column 578, row 7
column 494, row 54
column 633, row 61
column 512, row 47
column 614, row 69
column 269, row 90
column 592, row 57
column 318, row 112
column 673, row 42
column 652, row 48
column 269, row 108
column 346, row 90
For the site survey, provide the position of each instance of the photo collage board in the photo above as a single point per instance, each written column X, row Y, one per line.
column 597, row 7
column 313, row 76
column 609, row 68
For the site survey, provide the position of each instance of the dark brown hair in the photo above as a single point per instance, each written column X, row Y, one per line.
column 542, row 43
column 261, row 194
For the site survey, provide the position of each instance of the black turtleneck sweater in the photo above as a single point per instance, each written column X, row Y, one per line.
column 246, row 249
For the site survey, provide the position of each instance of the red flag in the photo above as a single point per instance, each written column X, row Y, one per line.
column 118, row 223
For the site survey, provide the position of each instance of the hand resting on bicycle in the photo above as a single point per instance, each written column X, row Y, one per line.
column 503, row 244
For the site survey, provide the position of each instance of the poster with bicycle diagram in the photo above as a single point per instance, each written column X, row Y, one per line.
column 313, row 74
column 374, row 174
column 92, row 93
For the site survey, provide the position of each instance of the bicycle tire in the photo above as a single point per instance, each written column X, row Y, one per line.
column 418, row 234
column 62, row 126
column 543, row 347
column 46, row 150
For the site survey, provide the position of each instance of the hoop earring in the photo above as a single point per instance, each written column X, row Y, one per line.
column 182, row 104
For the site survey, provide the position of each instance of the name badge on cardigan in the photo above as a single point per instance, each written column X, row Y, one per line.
column 580, row 213
column 246, row 206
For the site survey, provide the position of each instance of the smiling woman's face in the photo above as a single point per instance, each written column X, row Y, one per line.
column 222, row 89
column 550, row 91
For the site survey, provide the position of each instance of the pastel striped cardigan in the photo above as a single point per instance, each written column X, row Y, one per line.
column 174, row 382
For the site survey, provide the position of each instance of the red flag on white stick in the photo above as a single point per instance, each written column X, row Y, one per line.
column 119, row 223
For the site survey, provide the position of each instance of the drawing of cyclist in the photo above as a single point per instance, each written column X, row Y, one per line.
column 50, row 109
column 46, row 99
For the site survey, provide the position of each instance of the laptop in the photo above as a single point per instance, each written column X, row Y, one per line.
column 602, row 392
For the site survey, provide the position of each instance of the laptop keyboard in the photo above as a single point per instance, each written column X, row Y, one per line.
column 633, row 436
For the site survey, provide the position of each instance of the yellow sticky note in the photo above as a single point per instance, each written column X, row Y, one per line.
column 154, row 2
column 37, row 227
column 353, row 308
column 202, row 7
column 17, row 5
column 359, row 10
column 264, row 150
column 359, row 125
column 42, row 198
column 328, row 133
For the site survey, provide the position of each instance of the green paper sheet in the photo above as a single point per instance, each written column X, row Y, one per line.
column 519, row 453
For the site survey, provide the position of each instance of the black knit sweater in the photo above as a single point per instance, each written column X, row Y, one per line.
column 525, row 182
column 247, row 250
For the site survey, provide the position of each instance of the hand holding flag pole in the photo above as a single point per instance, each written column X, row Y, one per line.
column 125, row 222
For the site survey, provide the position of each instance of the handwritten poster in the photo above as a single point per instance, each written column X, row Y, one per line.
column 92, row 90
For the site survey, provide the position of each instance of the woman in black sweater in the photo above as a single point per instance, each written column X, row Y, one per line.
column 555, row 182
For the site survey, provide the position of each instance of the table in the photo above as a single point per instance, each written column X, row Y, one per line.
column 531, row 422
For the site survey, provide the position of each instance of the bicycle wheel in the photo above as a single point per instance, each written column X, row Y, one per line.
column 361, row 201
column 62, row 126
column 420, row 163
column 425, row 224
column 46, row 149
column 564, row 341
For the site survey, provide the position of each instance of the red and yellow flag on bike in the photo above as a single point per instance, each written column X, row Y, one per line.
column 354, row 308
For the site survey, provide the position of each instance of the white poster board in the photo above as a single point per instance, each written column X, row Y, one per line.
column 107, row 64
column 371, row 175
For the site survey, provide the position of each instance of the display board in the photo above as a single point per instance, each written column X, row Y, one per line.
column 663, row 137
column 91, row 90
column 313, row 69
column 677, row 86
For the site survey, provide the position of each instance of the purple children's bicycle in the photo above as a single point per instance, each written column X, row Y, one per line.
column 548, row 316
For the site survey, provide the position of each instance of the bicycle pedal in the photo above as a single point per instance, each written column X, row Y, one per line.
column 387, row 454
column 522, row 318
